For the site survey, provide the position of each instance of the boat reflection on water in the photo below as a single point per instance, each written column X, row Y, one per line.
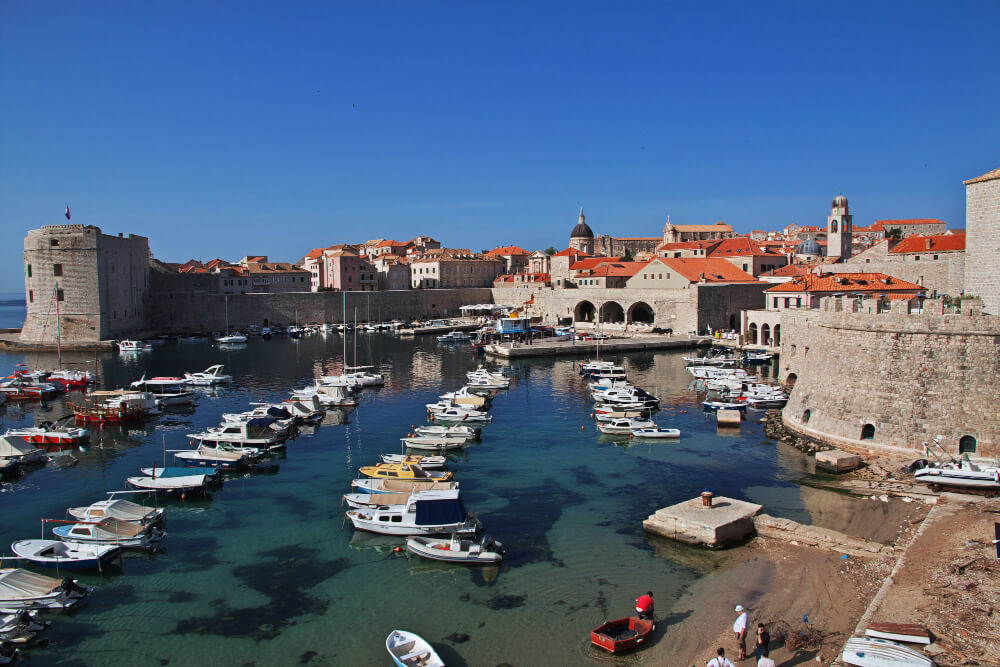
column 337, row 416
column 485, row 575
column 383, row 544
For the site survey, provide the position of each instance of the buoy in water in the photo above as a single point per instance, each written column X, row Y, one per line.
column 582, row 427
column 397, row 549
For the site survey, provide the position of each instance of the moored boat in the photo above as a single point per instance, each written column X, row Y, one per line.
column 481, row 551
column 963, row 474
column 874, row 652
column 116, row 508
column 428, row 513
column 182, row 486
column 899, row 632
column 21, row 589
column 433, row 444
column 411, row 650
column 403, row 471
column 110, row 532
column 656, row 433
column 623, row 426
column 371, row 485
column 47, row 434
column 66, row 555
column 621, row 634
column 134, row 346
column 425, row 462
column 209, row 376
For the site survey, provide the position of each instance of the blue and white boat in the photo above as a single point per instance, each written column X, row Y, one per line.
column 111, row 532
column 723, row 405
column 180, row 471
column 115, row 508
column 411, row 650
column 66, row 555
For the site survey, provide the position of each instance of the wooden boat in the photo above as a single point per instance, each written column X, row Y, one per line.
column 66, row 555
column 106, row 412
column 656, row 433
column 370, row 485
column 425, row 462
column 110, row 532
column 899, row 632
column 180, row 471
column 723, row 405
column 21, row 589
column 624, row 426
column 403, row 471
column 370, row 500
column 873, row 652
column 433, row 444
column 482, row 551
column 411, row 650
column 621, row 634
column 115, row 508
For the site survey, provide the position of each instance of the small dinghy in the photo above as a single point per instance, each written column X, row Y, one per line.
column 425, row 462
column 123, row 510
column 433, row 444
column 170, row 486
column 21, row 626
column 622, row 634
column 21, row 589
column 371, row 485
column 656, row 433
column 482, row 551
column 411, row 650
column 723, row 405
column 66, row 555
column 873, row 652
column 899, row 632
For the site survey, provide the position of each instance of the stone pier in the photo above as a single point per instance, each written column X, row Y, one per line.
column 728, row 521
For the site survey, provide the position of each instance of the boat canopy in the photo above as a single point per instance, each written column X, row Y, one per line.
column 18, row 583
column 440, row 512
column 261, row 422
column 278, row 413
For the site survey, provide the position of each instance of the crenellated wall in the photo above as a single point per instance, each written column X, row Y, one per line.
column 869, row 379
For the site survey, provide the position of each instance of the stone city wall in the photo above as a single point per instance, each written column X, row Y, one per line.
column 866, row 380
column 945, row 275
column 177, row 311
column 982, row 242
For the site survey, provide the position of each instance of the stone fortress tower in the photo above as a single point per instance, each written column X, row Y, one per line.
column 582, row 238
column 839, row 229
column 982, row 239
column 98, row 282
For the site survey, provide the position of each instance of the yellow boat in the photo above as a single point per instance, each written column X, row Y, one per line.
column 404, row 471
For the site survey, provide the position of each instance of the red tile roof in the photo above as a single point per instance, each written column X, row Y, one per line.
column 932, row 243
column 570, row 252
column 836, row 283
column 711, row 270
column 591, row 262
column 789, row 270
column 508, row 250
column 910, row 221
column 613, row 269
column 741, row 246
column 390, row 244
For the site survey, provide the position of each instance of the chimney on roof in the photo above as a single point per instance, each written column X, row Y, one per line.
column 928, row 242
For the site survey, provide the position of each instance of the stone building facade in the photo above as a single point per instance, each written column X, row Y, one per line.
column 982, row 223
column 869, row 379
column 610, row 246
column 100, row 282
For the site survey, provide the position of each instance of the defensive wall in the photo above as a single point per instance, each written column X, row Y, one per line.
column 982, row 239
column 869, row 379
column 181, row 311
column 691, row 309
column 945, row 275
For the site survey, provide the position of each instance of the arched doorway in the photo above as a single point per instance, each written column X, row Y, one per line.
column 967, row 445
column 640, row 313
column 585, row 312
column 752, row 333
column 790, row 380
column 868, row 432
column 612, row 312
column 765, row 334
column 777, row 335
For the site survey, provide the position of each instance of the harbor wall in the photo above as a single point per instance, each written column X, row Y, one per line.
column 866, row 379
column 982, row 239
column 179, row 311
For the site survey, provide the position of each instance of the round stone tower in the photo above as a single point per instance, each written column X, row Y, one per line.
column 582, row 238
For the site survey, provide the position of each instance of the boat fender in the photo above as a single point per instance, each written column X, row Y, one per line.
column 631, row 435
column 397, row 549
column 582, row 427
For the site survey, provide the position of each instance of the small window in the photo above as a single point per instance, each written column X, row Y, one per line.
column 57, row 269
column 805, row 416
column 916, row 258
column 967, row 445
column 935, row 256
column 868, row 432
column 29, row 270
column 31, row 296
column 53, row 243
column 59, row 295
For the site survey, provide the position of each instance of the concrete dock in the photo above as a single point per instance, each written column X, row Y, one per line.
column 728, row 521
column 611, row 346
column 729, row 417
column 424, row 331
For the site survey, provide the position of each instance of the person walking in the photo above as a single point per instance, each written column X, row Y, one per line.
column 644, row 606
column 765, row 660
column 763, row 639
column 740, row 628
column 720, row 660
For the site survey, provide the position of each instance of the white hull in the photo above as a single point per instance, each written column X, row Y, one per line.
column 966, row 479
column 872, row 652
column 433, row 444
column 385, row 528
column 656, row 434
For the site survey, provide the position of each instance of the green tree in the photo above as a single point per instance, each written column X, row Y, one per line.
column 550, row 251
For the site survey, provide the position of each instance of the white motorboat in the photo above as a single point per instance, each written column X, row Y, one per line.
column 482, row 551
column 256, row 432
column 656, row 433
column 455, row 337
column 379, row 486
column 624, row 426
column 427, row 513
column 874, row 652
column 425, row 462
column 359, row 375
column 168, row 390
column 282, row 425
column 962, row 474
column 462, row 432
column 433, row 444
column 606, row 412
column 172, row 486
column 345, row 381
column 408, row 649
column 21, row 589
column 210, row 376
column 47, row 434
column 327, row 395
column 65, row 555
column 115, row 508
column 134, row 346
column 442, row 406
column 231, row 339
column 457, row 416
column 625, row 396
column 724, row 405
column 111, row 532
column 467, row 397
column 712, row 373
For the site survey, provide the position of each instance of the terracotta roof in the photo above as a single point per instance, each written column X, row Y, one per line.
column 591, row 262
column 988, row 176
column 273, row 267
column 688, row 245
column 569, row 252
column 315, row 253
column 613, row 269
column 712, row 270
column 508, row 250
column 741, row 246
column 788, row 271
column 909, row 221
column 717, row 227
column 932, row 243
column 836, row 283
column 341, row 251
column 391, row 244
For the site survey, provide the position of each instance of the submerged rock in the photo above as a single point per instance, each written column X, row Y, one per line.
column 457, row 638
column 506, row 601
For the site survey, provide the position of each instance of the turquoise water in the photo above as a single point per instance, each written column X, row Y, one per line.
column 266, row 572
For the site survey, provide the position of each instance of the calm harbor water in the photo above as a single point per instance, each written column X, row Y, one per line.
column 12, row 310
column 266, row 572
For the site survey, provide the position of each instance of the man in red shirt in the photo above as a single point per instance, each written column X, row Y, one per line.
column 644, row 605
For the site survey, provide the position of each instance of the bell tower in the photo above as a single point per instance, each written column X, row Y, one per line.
column 839, row 229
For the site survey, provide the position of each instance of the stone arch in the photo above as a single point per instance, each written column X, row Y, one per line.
column 752, row 333
column 611, row 311
column 640, row 312
column 967, row 445
column 790, row 380
column 777, row 335
column 765, row 334
column 833, row 226
column 585, row 312
column 868, row 432
column 805, row 416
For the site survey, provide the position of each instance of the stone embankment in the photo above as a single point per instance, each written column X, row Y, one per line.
column 775, row 429
column 793, row 532
column 637, row 343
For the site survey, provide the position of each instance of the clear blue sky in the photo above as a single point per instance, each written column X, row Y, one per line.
column 233, row 128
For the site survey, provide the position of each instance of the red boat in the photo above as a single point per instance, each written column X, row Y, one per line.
column 622, row 634
column 101, row 414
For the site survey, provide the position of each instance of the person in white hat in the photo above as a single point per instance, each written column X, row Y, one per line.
column 740, row 628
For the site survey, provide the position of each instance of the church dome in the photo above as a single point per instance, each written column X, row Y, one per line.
column 808, row 247
column 582, row 230
column 839, row 200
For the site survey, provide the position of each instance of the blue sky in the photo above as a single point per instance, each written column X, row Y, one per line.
column 226, row 129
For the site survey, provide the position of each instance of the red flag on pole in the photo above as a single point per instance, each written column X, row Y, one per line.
column 67, row 211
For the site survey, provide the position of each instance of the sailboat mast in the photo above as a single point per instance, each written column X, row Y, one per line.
column 343, row 320
column 227, row 316
column 58, row 329
column 355, row 336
